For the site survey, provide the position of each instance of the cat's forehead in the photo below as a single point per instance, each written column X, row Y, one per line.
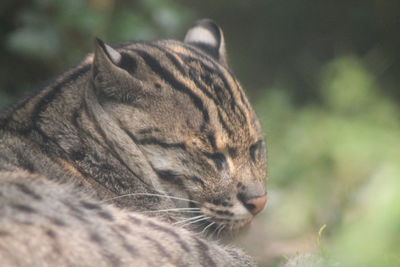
column 210, row 88
column 171, row 50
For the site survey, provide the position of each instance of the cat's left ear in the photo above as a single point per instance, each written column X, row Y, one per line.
column 208, row 36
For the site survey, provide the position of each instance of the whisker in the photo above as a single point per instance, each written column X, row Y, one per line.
column 211, row 235
column 198, row 220
column 219, row 231
column 150, row 194
column 209, row 225
column 177, row 210
column 189, row 219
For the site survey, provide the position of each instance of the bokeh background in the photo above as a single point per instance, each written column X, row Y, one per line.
column 324, row 77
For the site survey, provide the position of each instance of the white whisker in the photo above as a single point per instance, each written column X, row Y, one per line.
column 150, row 194
column 216, row 229
column 208, row 226
column 176, row 210
column 189, row 219
column 196, row 221
column 219, row 231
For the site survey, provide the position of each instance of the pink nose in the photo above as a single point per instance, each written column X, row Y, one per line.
column 255, row 205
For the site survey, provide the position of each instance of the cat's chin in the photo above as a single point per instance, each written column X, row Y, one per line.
column 224, row 232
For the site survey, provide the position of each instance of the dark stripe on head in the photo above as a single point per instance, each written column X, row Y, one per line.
column 196, row 180
column 202, row 56
column 218, row 158
column 169, row 176
column 171, row 80
column 211, row 139
column 154, row 141
column 148, row 130
column 225, row 125
column 171, row 56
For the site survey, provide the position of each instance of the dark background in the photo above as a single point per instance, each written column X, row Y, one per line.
column 323, row 75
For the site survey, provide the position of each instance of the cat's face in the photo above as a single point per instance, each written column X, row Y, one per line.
column 192, row 121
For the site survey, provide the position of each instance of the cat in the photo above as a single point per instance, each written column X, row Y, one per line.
column 138, row 156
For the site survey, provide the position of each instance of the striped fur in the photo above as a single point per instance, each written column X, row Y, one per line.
column 131, row 125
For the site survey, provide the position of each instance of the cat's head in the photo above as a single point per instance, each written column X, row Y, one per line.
column 189, row 116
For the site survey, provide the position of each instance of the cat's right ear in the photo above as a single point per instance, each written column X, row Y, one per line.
column 112, row 73
column 105, row 59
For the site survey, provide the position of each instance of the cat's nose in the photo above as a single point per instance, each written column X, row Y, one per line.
column 255, row 204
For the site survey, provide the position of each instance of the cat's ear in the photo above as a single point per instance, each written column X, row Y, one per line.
column 208, row 36
column 112, row 72
column 105, row 57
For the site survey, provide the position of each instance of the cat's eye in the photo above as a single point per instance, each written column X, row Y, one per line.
column 218, row 158
column 256, row 150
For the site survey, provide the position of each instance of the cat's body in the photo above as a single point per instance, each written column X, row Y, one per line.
column 157, row 127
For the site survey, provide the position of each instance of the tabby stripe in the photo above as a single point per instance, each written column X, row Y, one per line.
column 45, row 100
column 23, row 188
column 206, row 58
column 148, row 130
column 196, row 180
column 234, row 107
column 222, row 76
column 170, row 78
column 48, row 98
column 218, row 71
column 224, row 124
column 160, row 248
column 24, row 162
column 204, row 251
column 218, row 158
column 165, row 175
column 170, row 232
column 178, row 65
column 198, row 84
column 128, row 247
column 169, row 176
column 23, row 208
column 171, row 57
column 203, row 89
column 154, row 141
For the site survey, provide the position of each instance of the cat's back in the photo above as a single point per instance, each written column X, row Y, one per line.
column 43, row 223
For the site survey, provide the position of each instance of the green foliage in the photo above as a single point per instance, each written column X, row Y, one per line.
column 337, row 163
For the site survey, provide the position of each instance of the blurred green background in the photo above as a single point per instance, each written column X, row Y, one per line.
column 323, row 75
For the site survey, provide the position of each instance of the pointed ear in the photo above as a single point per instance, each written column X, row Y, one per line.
column 112, row 73
column 208, row 36
column 104, row 57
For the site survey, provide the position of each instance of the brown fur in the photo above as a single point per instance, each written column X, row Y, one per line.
column 141, row 127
